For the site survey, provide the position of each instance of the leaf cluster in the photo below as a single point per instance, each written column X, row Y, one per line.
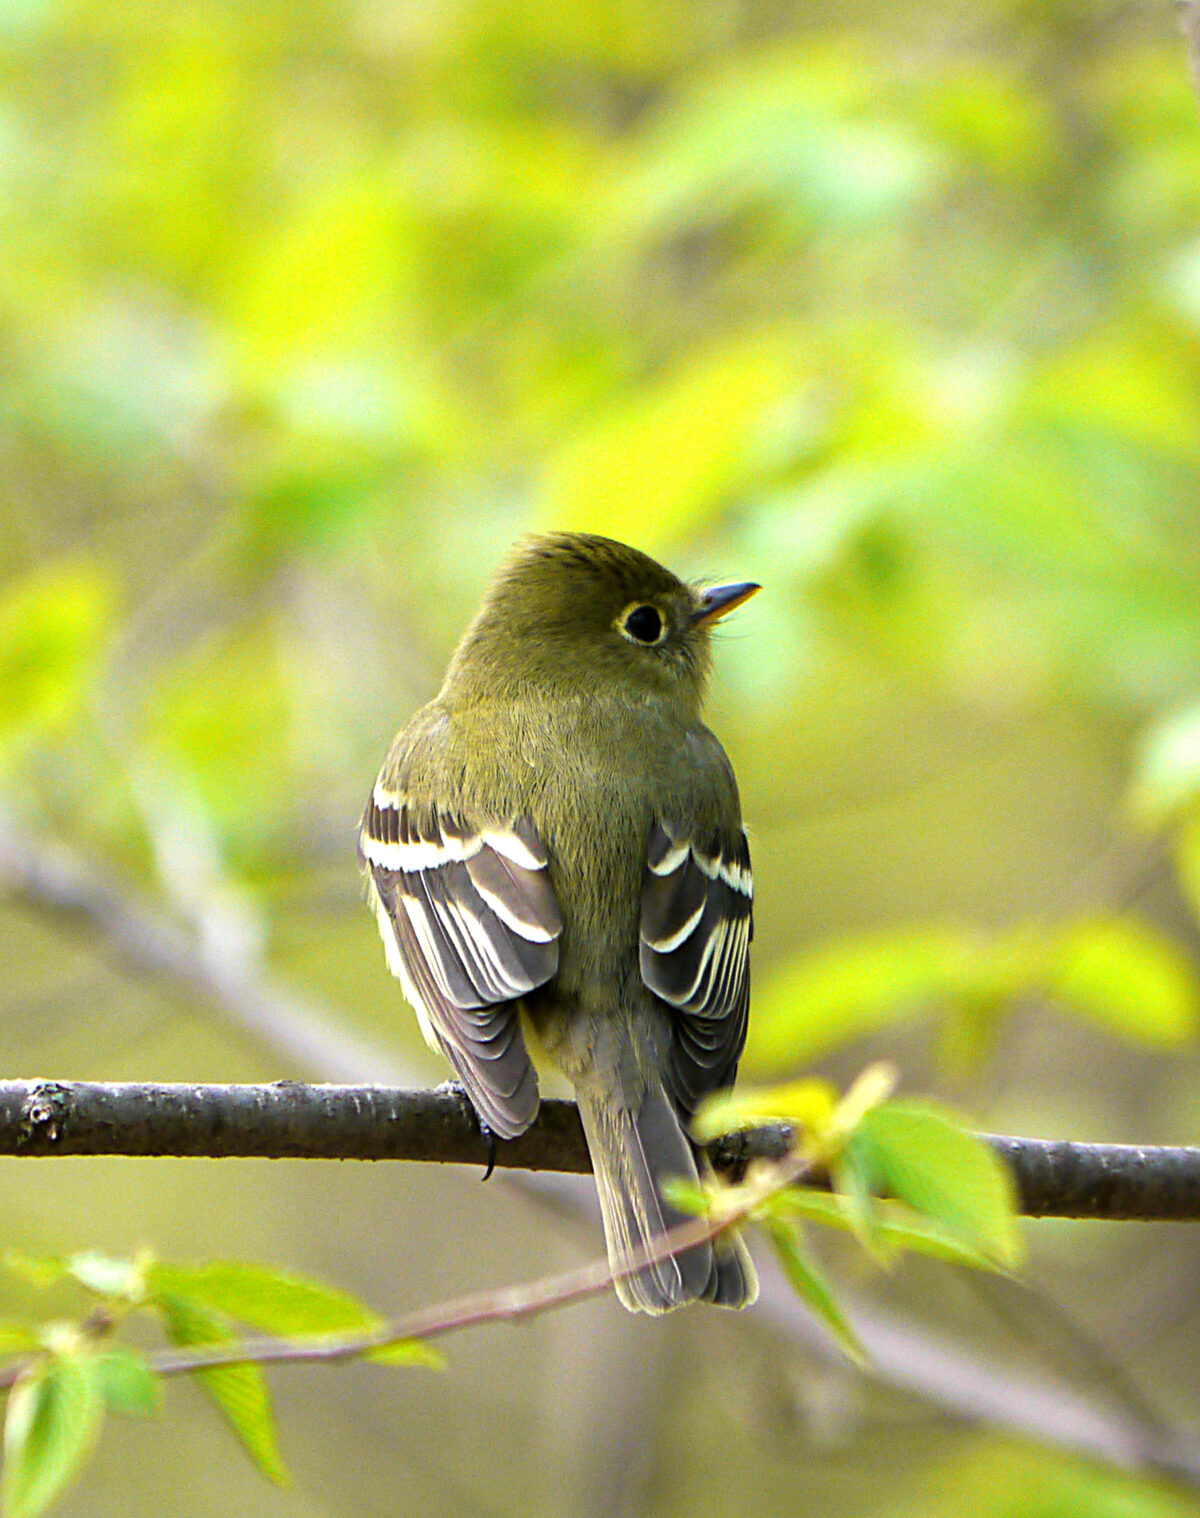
column 67, row 1373
column 905, row 1176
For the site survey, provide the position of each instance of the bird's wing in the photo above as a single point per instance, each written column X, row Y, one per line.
column 696, row 927
column 470, row 924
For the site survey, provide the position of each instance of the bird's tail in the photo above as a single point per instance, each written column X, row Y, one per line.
column 633, row 1153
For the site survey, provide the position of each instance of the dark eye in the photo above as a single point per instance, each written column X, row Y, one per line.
column 644, row 624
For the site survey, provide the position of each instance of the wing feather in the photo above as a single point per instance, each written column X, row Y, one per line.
column 696, row 926
column 471, row 925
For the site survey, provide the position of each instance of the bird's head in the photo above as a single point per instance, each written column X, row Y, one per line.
column 571, row 611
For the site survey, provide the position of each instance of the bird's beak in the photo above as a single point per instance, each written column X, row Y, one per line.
column 719, row 600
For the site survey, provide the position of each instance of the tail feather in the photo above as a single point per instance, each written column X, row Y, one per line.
column 734, row 1281
column 633, row 1153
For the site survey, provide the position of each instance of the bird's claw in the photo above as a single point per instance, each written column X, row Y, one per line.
column 456, row 1088
column 489, row 1138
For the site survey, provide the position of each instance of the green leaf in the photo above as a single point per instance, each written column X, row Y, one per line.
column 240, row 1392
column 1166, row 772
column 810, row 1285
column 921, row 1156
column 127, row 1382
column 844, row 990
column 288, row 1305
column 1126, row 977
column 407, row 1352
column 271, row 1300
column 891, row 1227
column 39, row 1273
column 852, row 1199
column 53, row 1419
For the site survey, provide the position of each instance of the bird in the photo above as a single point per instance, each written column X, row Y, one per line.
column 554, row 853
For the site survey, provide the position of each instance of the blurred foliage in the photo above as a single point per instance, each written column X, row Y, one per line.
column 1126, row 977
column 999, row 1479
column 309, row 307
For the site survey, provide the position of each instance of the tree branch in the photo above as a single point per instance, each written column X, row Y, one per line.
column 289, row 1120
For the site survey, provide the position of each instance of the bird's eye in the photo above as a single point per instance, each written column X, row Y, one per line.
column 644, row 624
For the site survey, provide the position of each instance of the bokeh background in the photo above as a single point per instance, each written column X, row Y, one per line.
column 308, row 308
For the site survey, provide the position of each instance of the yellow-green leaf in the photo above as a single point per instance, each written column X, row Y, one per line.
column 1127, row 977
column 686, row 1196
column 127, row 1382
column 921, row 1156
column 407, row 1352
column 825, row 996
column 853, row 1202
column 891, row 1226
column 239, row 1392
column 272, row 1300
column 52, row 631
column 811, row 1287
column 807, row 1104
column 53, row 1419
column 17, row 1338
column 659, row 466
column 36, row 1272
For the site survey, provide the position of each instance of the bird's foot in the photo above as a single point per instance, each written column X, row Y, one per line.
column 456, row 1088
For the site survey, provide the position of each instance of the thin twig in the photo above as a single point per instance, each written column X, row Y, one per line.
column 509, row 1304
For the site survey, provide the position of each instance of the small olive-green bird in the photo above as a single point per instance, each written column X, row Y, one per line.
column 555, row 855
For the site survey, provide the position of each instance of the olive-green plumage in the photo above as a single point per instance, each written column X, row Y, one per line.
column 557, row 838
